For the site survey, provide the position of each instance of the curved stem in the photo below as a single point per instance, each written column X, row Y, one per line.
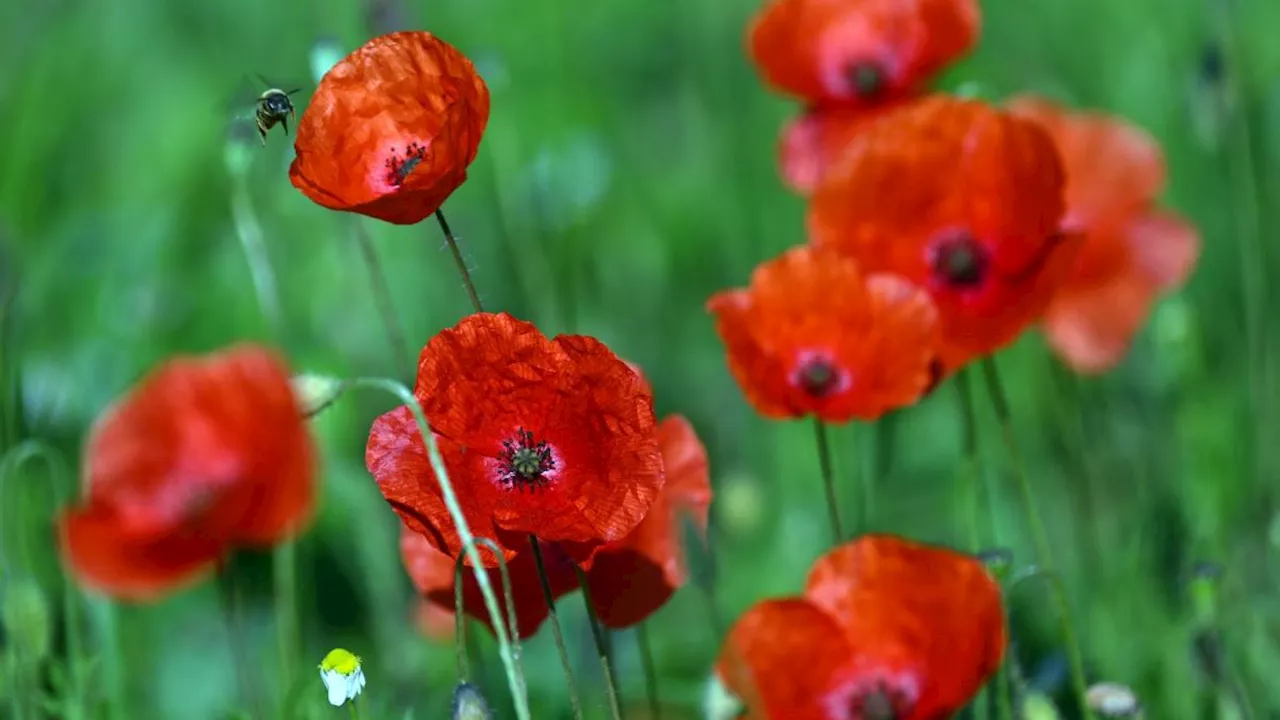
column 650, row 672
column 505, row 649
column 460, row 622
column 508, row 597
column 1040, row 539
column 828, row 480
column 574, row 699
column 382, row 299
column 458, row 260
column 59, row 480
column 602, row 649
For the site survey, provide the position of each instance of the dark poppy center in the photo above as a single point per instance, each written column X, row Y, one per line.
column 961, row 261
column 879, row 703
column 525, row 462
column 818, row 378
column 866, row 79
column 400, row 166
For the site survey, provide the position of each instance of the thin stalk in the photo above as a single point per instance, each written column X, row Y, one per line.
column 508, row 597
column 828, row 480
column 249, row 231
column 972, row 490
column 602, row 648
column 1040, row 539
column 355, row 712
column 650, row 672
column 458, row 260
column 574, row 699
column 284, row 568
column 233, row 619
column 438, row 468
column 382, row 299
column 460, row 623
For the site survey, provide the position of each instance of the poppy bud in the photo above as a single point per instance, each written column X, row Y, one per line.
column 1113, row 700
column 25, row 618
column 325, row 53
column 718, row 703
column 1204, row 592
column 999, row 561
column 316, row 392
column 469, row 704
column 1038, row 707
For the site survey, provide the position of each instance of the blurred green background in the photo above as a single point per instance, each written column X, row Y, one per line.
column 627, row 173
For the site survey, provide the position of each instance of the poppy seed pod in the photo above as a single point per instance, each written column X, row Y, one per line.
column 391, row 129
column 24, row 614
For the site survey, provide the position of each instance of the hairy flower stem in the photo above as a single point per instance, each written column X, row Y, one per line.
column 464, row 670
column 1039, row 538
column 233, row 619
column 574, row 699
column 506, row 649
column 459, row 261
column 972, row 491
column 61, row 481
column 602, row 649
column 828, row 480
column 382, row 299
column 650, row 672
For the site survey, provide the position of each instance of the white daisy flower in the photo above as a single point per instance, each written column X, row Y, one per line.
column 342, row 676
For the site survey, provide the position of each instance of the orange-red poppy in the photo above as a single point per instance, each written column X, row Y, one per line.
column 859, row 52
column 885, row 623
column 432, row 574
column 812, row 142
column 553, row 438
column 205, row 455
column 1133, row 252
column 391, row 129
column 959, row 198
column 629, row 579
column 632, row 578
column 814, row 335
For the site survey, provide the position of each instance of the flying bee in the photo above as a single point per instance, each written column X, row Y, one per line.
column 274, row 106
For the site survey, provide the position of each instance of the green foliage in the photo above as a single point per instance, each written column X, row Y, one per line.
column 628, row 173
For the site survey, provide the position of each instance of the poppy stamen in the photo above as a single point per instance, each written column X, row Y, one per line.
column 525, row 463
column 398, row 168
column 818, row 378
column 961, row 261
column 866, row 78
column 880, row 702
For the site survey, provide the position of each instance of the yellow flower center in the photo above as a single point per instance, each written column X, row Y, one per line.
column 340, row 661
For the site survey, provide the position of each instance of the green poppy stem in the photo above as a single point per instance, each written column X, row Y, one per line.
column 460, row 622
column 574, row 699
column 459, row 261
column 650, row 672
column 971, row 488
column 508, row 597
column 510, row 661
column 249, row 231
column 233, row 619
column 382, row 299
column 602, row 648
column 828, row 480
column 1039, row 538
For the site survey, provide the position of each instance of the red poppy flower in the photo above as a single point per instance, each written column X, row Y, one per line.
column 432, row 574
column 554, row 438
column 632, row 578
column 812, row 142
column 629, row 579
column 813, row 335
column 859, row 52
column 391, row 129
column 205, row 455
column 885, row 623
column 961, row 199
column 1133, row 252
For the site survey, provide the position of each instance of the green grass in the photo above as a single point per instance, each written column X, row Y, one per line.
column 628, row 172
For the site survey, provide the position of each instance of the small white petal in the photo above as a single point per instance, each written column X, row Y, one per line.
column 336, row 683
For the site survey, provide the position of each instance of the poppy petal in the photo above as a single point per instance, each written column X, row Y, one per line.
column 631, row 579
column 914, row 611
column 1091, row 328
column 784, row 658
column 1165, row 247
column 130, row 568
column 814, row 141
column 432, row 573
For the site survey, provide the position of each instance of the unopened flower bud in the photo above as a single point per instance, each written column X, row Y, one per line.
column 25, row 616
column 1113, row 700
column 469, row 704
column 1038, row 707
column 315, row 392
column 1205, row 578
column 718, row 703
